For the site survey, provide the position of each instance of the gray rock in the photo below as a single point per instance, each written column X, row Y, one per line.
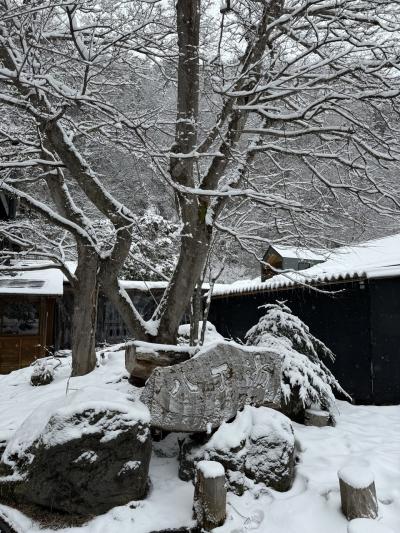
column 258, row 446
column 141, row 358
column 201, row 393
column 87, row 458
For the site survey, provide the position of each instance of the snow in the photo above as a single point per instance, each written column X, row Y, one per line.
column 62, row 409
column 367, row 436
column 367, row 525
column 356, row 476
column 378, row 258
column 252, row 422
column 294, row 252
column 211, row 469
column 40, row 281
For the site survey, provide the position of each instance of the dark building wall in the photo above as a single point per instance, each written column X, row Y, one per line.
column 385, row 339
column 110, row 326
column 340, row 318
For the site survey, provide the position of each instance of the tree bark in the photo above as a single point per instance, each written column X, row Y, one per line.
column 84, row 319
column 196, row 234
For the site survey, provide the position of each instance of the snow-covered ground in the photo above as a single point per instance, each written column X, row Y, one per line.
column 367, row 436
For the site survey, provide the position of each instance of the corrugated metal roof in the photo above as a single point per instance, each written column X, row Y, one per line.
column 377, row 258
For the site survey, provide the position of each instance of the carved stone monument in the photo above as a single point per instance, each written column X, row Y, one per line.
column 199, row 394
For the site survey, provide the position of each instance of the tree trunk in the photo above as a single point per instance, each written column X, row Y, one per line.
column 84, row 319
column 196, row 314
column 196, row 233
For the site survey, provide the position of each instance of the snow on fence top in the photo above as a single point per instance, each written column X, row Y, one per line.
column 373, row 259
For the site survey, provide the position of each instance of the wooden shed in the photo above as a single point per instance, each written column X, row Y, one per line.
column 27, row 303
column 288, row 258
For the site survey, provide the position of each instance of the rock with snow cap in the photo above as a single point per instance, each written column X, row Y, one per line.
column 258, row 446
column 83, row 454
column 198, row 395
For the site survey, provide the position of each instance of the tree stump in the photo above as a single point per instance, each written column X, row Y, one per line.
column 366, row 525
column 314, row 417
column 141, row 358
column 209, row 505
column 357, row 492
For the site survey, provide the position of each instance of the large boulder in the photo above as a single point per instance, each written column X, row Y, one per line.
column 83, row 454
column 199, row 394
column 257, row 446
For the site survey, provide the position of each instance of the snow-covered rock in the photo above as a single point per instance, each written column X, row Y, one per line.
column 83, row 453
column 43, row 372
column 258, row 446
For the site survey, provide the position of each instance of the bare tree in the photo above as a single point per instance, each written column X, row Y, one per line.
column 292, row 80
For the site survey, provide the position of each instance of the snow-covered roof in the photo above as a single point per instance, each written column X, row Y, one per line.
column 37, row 282
column 294, row 252
column 142, row 285
column 373, row 259
column 51, row 281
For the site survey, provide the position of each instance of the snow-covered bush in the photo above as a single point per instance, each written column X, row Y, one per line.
column 43, row 371
column 305, row 377
column 155, row 248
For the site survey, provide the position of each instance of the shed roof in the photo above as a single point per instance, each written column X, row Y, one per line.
column 377, row 258
column 32, row 282
column 295, row 252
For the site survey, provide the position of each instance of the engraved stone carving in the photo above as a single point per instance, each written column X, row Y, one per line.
column 199, row 394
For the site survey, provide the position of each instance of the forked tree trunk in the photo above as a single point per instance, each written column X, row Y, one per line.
column 84, row 318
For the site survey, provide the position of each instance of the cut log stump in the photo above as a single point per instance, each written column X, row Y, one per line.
column 141, row 358
column 366, row 525
column 209, row 505
column 314, row 417
column 357, row 492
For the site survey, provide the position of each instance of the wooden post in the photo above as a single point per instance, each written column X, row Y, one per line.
column 317, row 418
column 209, row 505
column 357, row 492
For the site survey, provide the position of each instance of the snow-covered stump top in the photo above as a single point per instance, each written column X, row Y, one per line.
column 211, row 469
column 366, row 525
column 357, row 491
column 209, row 503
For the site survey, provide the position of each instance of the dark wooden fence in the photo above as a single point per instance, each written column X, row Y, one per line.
column 358, row 320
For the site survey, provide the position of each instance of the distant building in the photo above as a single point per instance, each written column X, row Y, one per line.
column 288, row 258
column 27, row 303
